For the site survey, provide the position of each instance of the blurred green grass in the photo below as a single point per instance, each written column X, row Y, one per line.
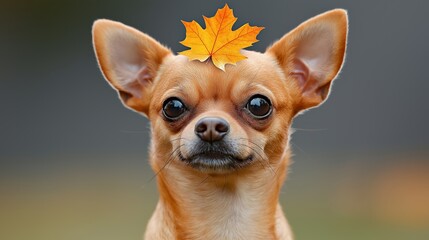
column 115, row 201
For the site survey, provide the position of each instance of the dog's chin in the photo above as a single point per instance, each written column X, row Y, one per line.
column 216, row 162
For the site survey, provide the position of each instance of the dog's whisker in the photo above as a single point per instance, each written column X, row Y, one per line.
column 274, row 172
column 248, row 140
column 178, row 139
column 265, row 158
column 205, row 179
column 169, row 159
column 262, row 157
column 260, row 162
column 298, row 147
column 309, row 129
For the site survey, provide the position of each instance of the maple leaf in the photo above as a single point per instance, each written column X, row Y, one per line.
column 218, row 41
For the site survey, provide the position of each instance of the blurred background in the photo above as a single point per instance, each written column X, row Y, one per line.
column 73, row 160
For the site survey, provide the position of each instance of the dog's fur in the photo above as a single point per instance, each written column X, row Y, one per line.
column 295, row 74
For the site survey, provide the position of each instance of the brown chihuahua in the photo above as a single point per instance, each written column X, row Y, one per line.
column 219, row 145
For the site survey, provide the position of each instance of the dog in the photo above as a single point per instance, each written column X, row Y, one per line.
column 220, row 139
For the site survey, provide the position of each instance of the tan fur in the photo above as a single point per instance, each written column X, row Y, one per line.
column 230, row 204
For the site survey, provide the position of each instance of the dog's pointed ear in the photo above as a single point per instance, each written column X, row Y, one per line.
column 312, row 55
column 129, row 60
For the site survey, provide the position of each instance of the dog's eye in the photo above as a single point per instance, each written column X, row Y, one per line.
column 259, row 106
column 173, row 108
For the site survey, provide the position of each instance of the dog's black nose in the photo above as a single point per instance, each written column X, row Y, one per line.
column 211, row 129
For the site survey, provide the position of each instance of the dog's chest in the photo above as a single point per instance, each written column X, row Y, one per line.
column 229, row 215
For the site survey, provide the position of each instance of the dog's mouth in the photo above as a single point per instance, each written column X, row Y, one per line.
column 217, row 161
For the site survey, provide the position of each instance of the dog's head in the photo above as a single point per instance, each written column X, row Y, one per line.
column 219, row 122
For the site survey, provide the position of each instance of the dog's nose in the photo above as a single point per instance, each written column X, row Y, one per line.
column 211, row 129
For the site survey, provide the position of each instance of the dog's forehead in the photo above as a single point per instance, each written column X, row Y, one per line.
column 179, row 72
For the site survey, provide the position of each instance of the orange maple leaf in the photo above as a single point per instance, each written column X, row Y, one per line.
column 218, row 41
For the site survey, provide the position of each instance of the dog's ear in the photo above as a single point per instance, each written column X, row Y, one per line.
column 129, row 60
column 312, row 55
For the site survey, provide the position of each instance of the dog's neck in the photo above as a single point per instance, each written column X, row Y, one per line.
column 236, row 206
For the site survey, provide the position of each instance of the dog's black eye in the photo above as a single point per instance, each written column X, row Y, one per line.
column 259, row 106
column 173, row 108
